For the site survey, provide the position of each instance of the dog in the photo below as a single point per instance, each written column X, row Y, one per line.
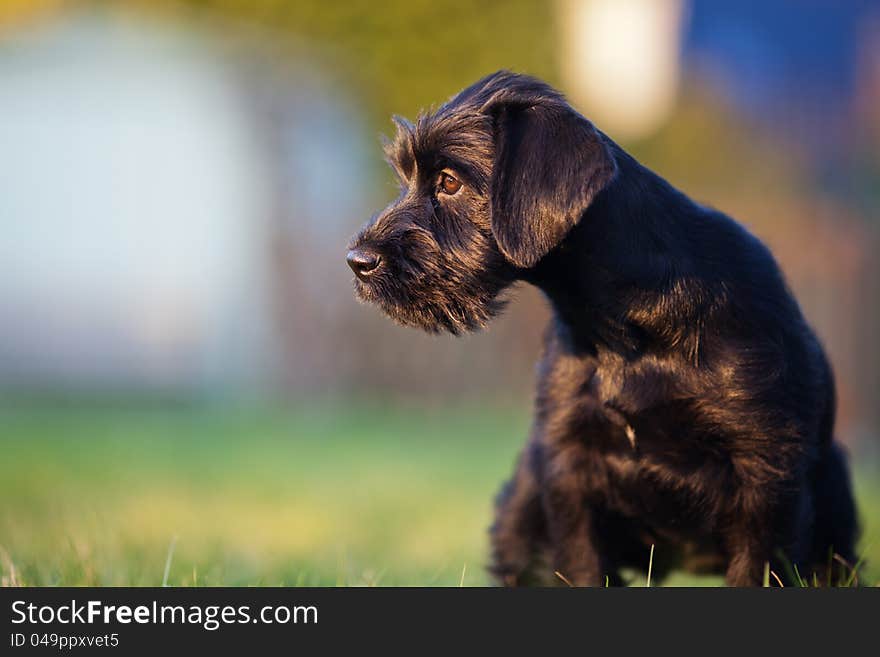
column 684, row 406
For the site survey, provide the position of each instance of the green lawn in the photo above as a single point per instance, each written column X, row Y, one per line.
column 316, row 495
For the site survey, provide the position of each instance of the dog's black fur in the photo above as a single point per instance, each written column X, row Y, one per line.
column 682, row 399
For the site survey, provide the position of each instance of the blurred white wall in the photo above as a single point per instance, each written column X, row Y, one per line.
column 137, row 200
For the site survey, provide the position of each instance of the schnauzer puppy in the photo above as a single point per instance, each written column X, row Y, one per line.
column 682, row 399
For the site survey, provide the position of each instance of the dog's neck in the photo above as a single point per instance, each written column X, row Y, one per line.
column 635, row 239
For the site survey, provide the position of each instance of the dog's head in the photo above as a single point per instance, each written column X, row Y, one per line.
column 489, row 185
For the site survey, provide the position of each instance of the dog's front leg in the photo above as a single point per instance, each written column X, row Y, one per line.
column 770, row 531
column 570, row 521
column 748, row 555
column 768, row 524
column 518, row 534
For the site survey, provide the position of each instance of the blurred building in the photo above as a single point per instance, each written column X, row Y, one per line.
column 146, row 175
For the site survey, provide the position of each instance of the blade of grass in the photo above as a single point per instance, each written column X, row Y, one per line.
column 563, row 578
column 650, row 567
column 798, row 577
column 12, row 578
column 168, row 558
column 790, row 570
column 779, row 581
column 854, row 575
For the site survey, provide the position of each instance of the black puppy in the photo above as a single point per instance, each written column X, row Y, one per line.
column 682, row 399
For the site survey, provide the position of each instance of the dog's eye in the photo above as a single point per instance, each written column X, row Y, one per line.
column 448, row 184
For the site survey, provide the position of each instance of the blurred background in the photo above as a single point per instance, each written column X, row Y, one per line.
column 189, row 392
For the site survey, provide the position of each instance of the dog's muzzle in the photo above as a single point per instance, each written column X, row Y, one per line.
column 363, row 262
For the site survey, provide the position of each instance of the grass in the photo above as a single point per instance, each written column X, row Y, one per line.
column 314, row 495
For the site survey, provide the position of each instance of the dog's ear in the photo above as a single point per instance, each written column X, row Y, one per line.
column 550, row 162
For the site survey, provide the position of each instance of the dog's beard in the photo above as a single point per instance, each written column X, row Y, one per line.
column 433, row 305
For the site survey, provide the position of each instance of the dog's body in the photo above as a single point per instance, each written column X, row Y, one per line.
column 682, row 401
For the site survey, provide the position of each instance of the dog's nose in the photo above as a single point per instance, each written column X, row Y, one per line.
column 363, row 262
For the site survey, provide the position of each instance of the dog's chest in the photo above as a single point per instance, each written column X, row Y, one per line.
column 652, row 466
column 638, row 430
column 667, row 501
